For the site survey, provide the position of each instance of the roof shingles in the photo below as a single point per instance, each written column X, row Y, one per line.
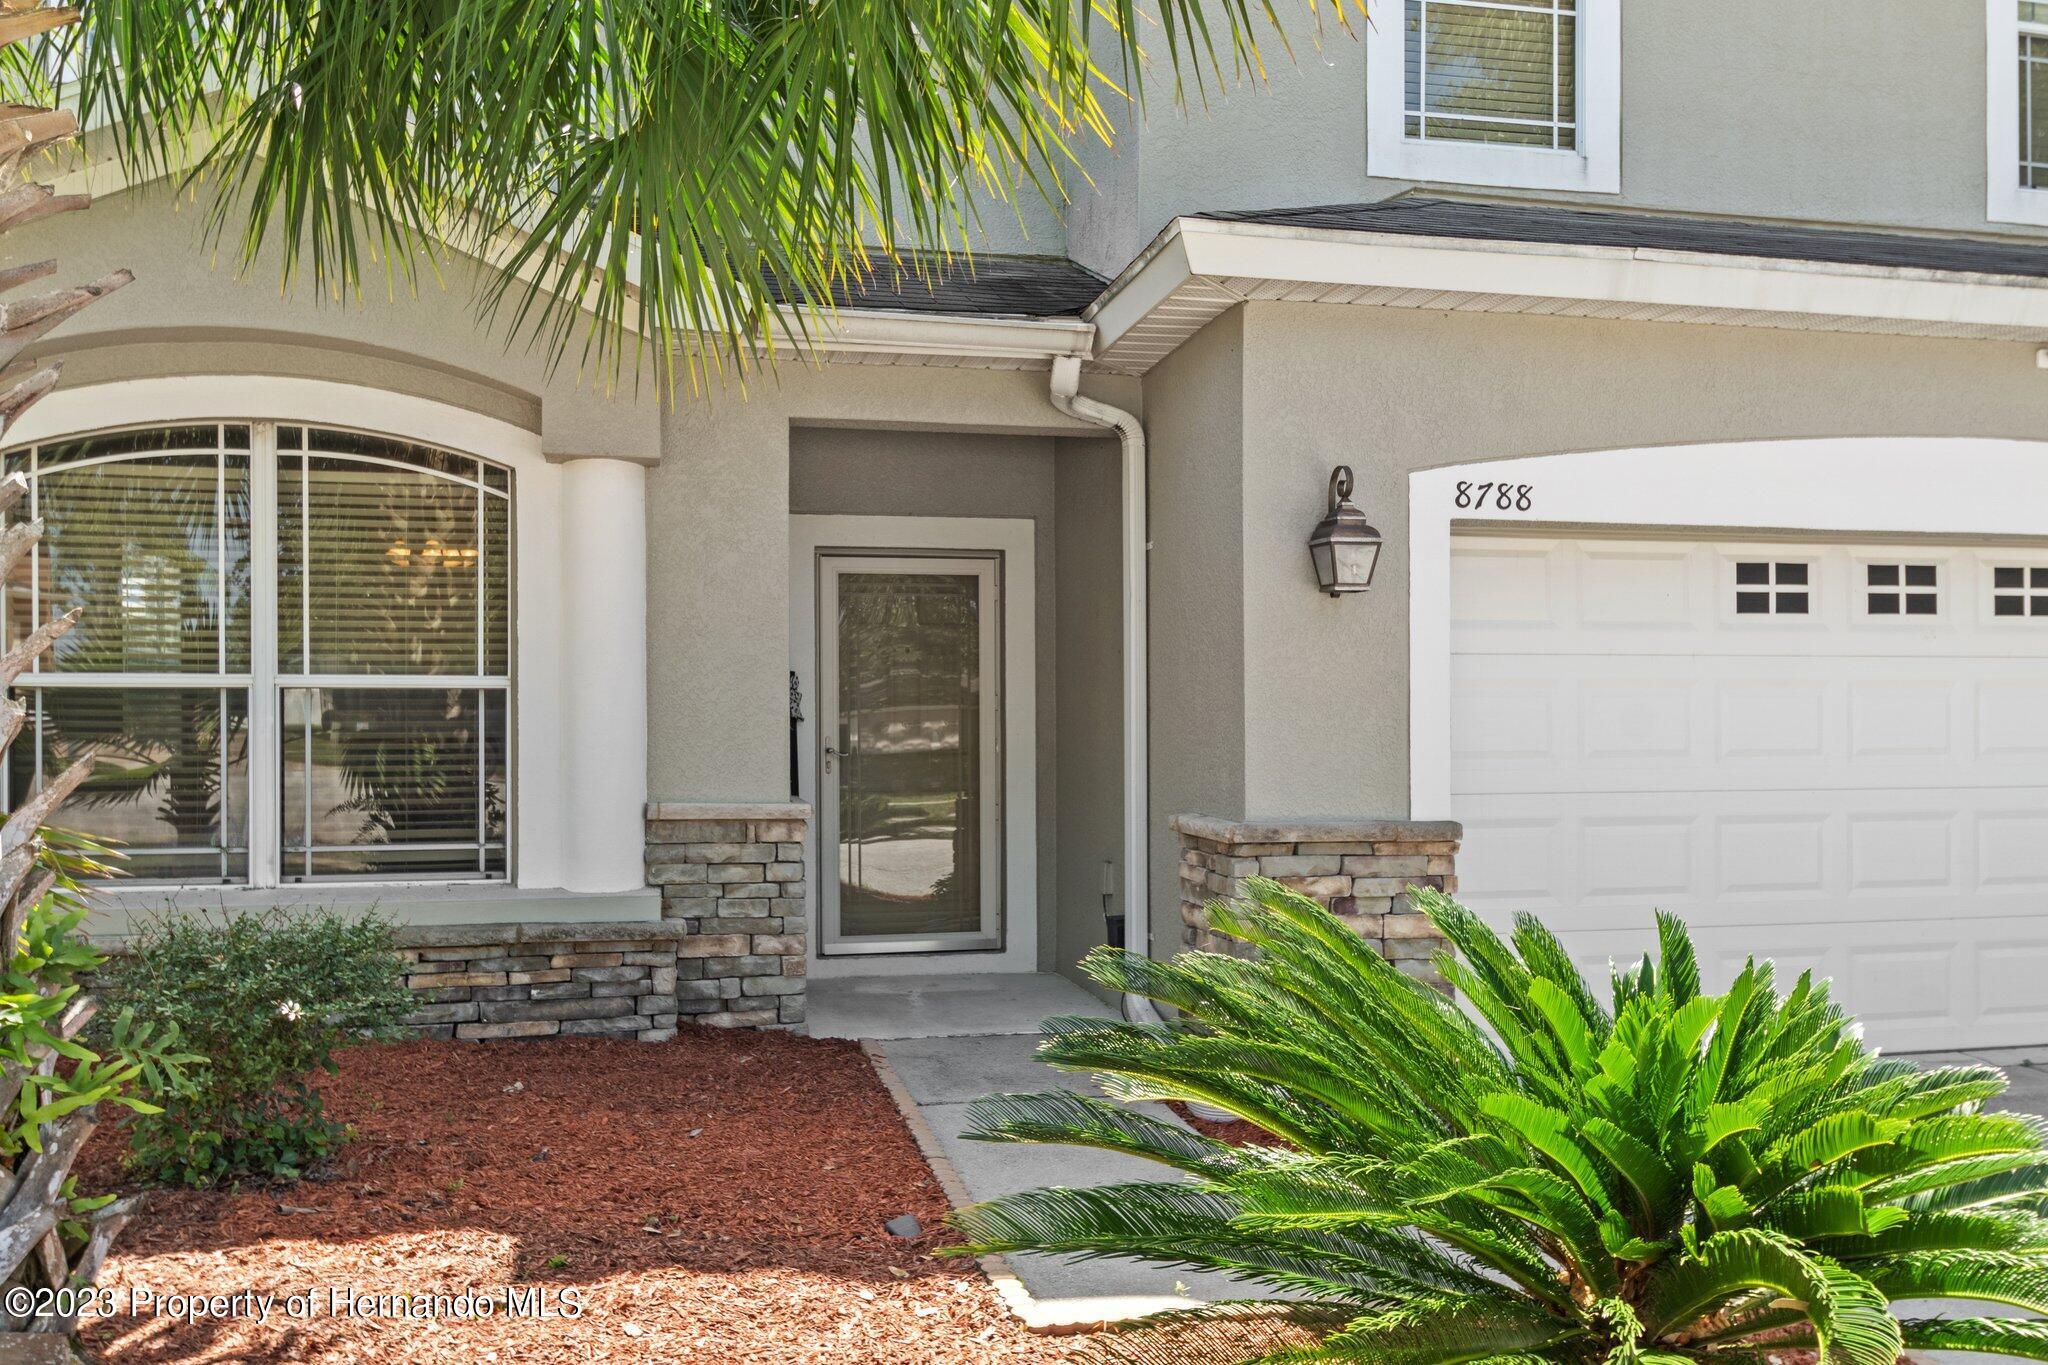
column 980, row 286
column 1493, row 221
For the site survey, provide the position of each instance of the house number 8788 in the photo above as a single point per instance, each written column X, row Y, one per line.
column 1497, row 497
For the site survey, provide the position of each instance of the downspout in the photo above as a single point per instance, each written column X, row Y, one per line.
column 1067, row 397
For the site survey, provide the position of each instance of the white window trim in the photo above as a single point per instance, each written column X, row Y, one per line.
column 2006, row 200
column 537, row 816
column 1594, row 166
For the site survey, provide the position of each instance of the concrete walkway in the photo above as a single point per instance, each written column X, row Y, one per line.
column 949, row 1042
column 889, row 1007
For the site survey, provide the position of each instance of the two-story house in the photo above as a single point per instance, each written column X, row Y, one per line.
column 1691, row 363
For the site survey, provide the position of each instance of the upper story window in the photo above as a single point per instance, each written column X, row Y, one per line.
column 1502, row 72
column 294, row 658
column 1498, row 92
column 2016, row 108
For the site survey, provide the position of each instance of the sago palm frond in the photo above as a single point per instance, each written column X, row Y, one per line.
column 1531, row 1172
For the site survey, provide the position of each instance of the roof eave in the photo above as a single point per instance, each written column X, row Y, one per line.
column 1198, row 268
column 902, row 333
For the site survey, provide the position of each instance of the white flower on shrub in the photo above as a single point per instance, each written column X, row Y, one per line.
column 291, row 1011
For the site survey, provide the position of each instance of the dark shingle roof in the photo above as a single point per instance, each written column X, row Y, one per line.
column 1503, row 222
column 985, row 286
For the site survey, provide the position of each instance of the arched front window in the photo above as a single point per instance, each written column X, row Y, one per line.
column 294, row 660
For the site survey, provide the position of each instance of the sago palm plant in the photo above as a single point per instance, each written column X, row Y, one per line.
column 1530, row 1173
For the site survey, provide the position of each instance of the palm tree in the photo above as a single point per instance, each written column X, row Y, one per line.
column 1662, row 1177
column 639, row 174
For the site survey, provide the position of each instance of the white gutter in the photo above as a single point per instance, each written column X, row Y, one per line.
column 1066, row 396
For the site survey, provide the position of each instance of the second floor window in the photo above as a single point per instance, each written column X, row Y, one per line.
column 1497, row 71
column 2016, row 110
column 2033, row 97
column 1525, row 93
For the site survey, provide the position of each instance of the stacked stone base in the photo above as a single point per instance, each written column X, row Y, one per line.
column 1361, row 869
column 479, row 982
column 732, row 884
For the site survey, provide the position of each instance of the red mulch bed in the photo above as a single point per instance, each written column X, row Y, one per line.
column 1236, row 1132
column 571, row 1165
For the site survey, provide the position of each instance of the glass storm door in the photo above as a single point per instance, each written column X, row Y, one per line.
column 910, row 753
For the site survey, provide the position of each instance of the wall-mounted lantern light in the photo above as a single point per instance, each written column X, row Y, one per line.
column 1345, row 547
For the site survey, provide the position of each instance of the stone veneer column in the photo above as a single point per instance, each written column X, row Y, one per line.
column 1361, row 869
column 733, row 877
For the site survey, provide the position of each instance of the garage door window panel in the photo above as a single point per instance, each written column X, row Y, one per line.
column 2019, row 590
column 1902, row 590
column 1773, row 587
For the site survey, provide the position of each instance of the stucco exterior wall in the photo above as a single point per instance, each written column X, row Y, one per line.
column 1392, row 391
column 1835, row 111
column 190, row 312
column 718, row 549
column 1198, row 490
column 1089, row 814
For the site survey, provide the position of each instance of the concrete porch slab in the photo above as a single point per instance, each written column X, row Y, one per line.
column 886, row 1007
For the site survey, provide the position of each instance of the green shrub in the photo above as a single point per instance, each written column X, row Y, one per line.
column 51, row 1084
column 1539, row 1175
column 268, row 998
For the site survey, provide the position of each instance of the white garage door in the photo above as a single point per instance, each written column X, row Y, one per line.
column 1835, row 755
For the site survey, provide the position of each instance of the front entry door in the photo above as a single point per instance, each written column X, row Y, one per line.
column 910, row 762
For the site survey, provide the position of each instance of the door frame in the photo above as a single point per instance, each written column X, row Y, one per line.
column 1014, row 539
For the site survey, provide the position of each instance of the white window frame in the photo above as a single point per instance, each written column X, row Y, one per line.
column 539, row 596
column 2006, row 200
column 1594, row 166
column 268, row 678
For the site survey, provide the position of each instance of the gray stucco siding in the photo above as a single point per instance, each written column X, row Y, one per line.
column 1391, row 392
column 1865, row 112
column 1197, row 491
column 718, row 548
column 190, row 311
column 1089, row 611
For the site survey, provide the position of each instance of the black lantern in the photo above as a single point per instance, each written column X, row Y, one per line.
column 1345, row 547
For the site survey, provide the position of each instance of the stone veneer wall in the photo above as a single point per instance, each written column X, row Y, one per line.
column 732, row 883
column 1360, row 869
column 481, row 981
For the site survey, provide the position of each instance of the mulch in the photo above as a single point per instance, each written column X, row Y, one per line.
column 1237, row 1132
column 716, row 1198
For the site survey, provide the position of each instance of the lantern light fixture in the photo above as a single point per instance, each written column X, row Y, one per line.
column 1345, row 547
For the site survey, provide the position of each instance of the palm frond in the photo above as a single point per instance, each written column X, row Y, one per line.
column 2025, row 1338
column 2011, row 1278
column 646, row 182
column 1082, row 1121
